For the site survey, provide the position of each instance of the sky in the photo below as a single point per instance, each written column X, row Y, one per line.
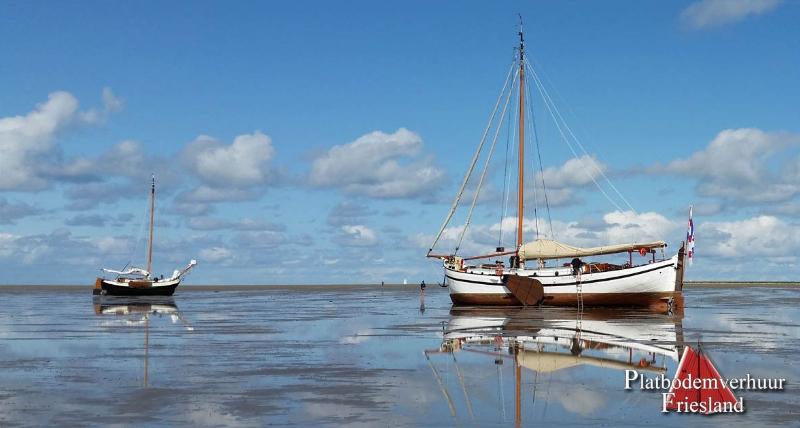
column 324, row 142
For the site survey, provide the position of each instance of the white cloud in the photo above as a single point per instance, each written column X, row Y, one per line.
column 207, row 194
column 348, row 212
column 215, row 254
column 245, row 224
column 740, row 165
column 30, row 155
column 27, row 141
column 761, row 236
column 716, row 13
column 562, row 182
column 61, row 248
column 110, row 101
column 10, row 212
column 627, row 226
column 357, row 236
column 378, row 165
column 245, row 162
column 574, row 172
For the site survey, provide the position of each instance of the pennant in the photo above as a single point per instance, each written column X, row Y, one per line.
column 690, row 239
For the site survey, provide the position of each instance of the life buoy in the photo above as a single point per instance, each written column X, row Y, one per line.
column 643, row 251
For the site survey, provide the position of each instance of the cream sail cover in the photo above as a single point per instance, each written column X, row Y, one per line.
column 549, row 249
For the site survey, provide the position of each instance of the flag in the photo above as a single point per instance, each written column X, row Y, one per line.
column 690, row 239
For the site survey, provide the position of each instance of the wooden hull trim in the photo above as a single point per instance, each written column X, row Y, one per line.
column 651, row 300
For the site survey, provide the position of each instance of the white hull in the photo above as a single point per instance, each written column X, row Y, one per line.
column 639, row 285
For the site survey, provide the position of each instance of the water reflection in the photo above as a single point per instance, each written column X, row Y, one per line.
column 134, row 311
column 584, row 352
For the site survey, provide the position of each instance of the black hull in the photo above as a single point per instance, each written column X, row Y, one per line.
column 115, row 290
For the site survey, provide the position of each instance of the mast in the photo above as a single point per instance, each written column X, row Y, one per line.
column 150, row 241
column 521, row 178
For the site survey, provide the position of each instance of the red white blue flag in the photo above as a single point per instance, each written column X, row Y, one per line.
column 690, row 239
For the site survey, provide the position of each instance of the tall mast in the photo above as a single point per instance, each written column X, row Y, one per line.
column 521, row 168
column 150, row 241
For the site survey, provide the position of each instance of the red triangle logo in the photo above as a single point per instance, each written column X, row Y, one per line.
column 698, row 381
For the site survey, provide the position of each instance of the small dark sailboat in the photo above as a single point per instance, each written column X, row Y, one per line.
column 136, row 281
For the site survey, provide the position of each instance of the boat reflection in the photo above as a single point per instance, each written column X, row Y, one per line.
column 562, row 343
column 137, row 311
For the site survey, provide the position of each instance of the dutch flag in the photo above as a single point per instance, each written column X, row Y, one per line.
column 690, row 238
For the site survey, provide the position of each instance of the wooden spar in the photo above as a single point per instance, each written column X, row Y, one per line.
column 681, row 267
column 150, row 241
column 438, row 256
column 486, row 256
column 521, row 178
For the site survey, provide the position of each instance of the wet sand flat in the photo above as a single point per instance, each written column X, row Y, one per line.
column 366, row 356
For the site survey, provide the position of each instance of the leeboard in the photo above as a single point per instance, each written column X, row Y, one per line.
column 528, row 291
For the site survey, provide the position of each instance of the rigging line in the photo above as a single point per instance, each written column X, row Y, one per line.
column 566, row 140
column 140, row 233
column 483, row 173
column 541, row 165
column 583, row 149
column 513, row 131
column 505, row 182
column 474, row 161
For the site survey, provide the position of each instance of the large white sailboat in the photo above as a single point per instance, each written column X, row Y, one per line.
column 525, row 277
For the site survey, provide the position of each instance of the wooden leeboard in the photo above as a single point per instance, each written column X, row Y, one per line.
column 140, row 284
column 528, row 291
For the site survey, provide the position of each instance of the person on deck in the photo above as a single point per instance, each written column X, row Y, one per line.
column 577, row 264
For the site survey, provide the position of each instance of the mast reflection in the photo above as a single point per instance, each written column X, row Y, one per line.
column 137, row 311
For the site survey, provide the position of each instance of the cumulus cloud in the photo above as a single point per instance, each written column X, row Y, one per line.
column 234, row 172
column 111, row 102
column 261, row 239
column 10, row 212
column 357, row 236
column 245, row 162
column 245, row 224
column 739, row 165
column 30, row 155
column 26, row 142
column 716, row 13
column 98, row 220
column 348, row 212
column 563, row 181
column 378, row 165
column 574, row 172
column 207, row 194
column 761, row 236
column 60, row 247
column 215, row 254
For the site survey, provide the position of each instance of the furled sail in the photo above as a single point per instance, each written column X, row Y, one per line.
column 129, row 271
column 549, row 249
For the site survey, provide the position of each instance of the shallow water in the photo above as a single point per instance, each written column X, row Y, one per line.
column 370, row 356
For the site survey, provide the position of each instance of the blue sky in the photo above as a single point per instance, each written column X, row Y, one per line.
column 317, row 142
